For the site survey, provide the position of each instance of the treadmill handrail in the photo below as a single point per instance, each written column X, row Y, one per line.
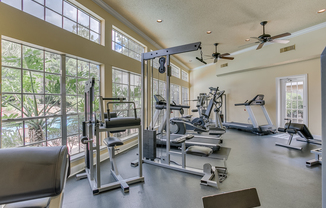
column 251, row 101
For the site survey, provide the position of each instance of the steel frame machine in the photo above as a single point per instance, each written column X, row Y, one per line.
column 208, row 172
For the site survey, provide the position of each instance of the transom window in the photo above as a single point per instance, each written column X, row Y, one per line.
column 34, row 108
column 122, row 43
column 175, row 71
column 184, row 75
column 62, row 13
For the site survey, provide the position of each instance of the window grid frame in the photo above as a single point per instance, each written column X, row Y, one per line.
column 63, row 17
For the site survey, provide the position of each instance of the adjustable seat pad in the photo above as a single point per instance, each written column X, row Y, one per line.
column 122, row 122
column 32, row 172
column 112, row 141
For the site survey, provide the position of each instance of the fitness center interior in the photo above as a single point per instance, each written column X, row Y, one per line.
column 161, row 104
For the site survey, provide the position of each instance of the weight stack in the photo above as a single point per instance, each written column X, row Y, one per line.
column 149, row 144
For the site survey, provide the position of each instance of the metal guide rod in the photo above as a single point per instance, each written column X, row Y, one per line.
column 168, row 74
column 323, row 123
column 171, row 51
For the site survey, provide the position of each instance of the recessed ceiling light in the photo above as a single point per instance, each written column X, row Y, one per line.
column 209, row 32
column 247, row 39
column 321, row 11
column 159, row 21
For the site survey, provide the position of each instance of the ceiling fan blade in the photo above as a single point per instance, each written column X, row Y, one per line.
column 224, row 54
column 279, row 41
column 215, row 60
column 280, row 35
column 229, row 58
column 260, row 46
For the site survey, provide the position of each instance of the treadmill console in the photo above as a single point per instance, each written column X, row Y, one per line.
column 160, row 100
column 258, row 100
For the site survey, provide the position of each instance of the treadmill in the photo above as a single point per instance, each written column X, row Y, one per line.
column 254, row 127
column 191, row 139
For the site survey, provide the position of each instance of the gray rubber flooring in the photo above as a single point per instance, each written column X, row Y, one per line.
column 279, row 174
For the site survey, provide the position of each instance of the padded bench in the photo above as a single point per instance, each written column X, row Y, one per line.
column 122, row 122
column 33, row 176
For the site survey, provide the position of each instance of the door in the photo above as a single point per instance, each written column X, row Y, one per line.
column 293, row 100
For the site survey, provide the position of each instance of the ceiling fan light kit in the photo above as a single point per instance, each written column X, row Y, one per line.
column 264, row 38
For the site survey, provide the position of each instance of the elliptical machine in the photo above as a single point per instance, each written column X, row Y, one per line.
column 201, row 124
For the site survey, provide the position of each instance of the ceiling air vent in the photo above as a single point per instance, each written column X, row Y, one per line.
column 289, row 48
column 224, row 65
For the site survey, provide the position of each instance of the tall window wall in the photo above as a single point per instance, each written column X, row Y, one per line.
column 185, row 99
column 175, row 96
column 62, row 13
column 184, row 75
column 32, row 101
column 128, row 85
column 122, row 43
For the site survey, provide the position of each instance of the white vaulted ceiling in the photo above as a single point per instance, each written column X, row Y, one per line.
column 231, row 21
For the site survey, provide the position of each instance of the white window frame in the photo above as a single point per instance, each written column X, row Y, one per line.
column 184, row 75
column 80, row 8
column 175, row 71
column 126, row 50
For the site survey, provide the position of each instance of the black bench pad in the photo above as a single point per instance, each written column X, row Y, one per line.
column 112, row 141
column 122, row 122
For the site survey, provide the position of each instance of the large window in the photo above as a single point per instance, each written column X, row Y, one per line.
column 158, row 89
column 185, row 99
column 175, row 71
column 122, row 43
column 33, row 108
column 128, row 85
column 175, row 96
column 184, row 75
column 62, row 13
column 77, row 72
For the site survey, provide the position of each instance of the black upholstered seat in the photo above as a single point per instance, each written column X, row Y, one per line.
column 122, row 122
column 112, row 141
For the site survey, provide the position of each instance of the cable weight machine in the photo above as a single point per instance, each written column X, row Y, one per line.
column 208, row 172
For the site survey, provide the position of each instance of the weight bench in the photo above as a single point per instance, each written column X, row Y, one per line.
column 33, row 176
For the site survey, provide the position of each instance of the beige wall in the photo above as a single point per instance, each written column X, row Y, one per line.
column 255, row 72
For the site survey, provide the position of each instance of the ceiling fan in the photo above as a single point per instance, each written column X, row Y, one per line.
column 217, row 55
column 262, row 39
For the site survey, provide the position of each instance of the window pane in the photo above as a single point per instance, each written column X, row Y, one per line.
column 11, row 80
column 71, row 66
column 118, row 48
column 81, row 104
column 55, row 143
column 83, row 18
column 33, row 105
column 72, row 125
column 94, row 37
column 34, row 9
column 71, row 86
column 53, row 18
column 11, row 106
column 83, row 69
column 34, row 130
column 40, row 1
column 81, row 86
column 14, row 3
column 52, row 84
column 94, row 71
column 55, row 5
column 73, row 144
column 52, row 62
column 52, row 105
column 83, row 31
column 54, row 128
column 95, row 25
column 32, row 58
column 69, row 25
column 71, row 104
column 32, row 82
column 118, row 38
column 11, row 54
column 70, row 11
column 12, row 134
